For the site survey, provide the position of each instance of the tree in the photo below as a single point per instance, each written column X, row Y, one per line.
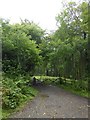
column 72, row 30
column 19, row 52
column 32, row 30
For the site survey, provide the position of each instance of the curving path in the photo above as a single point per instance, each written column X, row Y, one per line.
column 54, row 102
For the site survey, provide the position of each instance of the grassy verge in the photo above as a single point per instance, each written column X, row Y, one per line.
column 0, row 113
column 82, row 93
column 73, row 86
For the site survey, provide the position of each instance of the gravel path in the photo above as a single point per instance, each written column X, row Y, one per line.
column 54, row 102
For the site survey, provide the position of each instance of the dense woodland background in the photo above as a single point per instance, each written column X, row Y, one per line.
column 27, row 50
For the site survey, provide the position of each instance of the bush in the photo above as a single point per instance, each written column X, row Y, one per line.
column 14, row 92
column 12, row 98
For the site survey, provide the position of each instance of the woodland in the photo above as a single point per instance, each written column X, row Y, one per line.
column 61, row 58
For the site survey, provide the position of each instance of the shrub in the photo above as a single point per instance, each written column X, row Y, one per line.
column 14, row 92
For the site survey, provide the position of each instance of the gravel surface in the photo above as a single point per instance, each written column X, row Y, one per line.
column 54, row 102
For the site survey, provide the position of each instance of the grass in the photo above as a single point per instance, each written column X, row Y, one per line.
column 0, row 113
column 50, row 77
column 47, row 79
column 82, row 93
column 70, row 85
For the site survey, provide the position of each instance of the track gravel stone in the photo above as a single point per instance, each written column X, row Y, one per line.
column 54, row 102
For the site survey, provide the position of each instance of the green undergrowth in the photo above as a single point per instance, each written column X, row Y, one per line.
column 15, row 93
column 47, row 79
column 0, row 112
column 82, row 93
column 75, row 86
column 7, row 112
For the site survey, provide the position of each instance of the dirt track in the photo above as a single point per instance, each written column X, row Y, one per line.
column 54, row 102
